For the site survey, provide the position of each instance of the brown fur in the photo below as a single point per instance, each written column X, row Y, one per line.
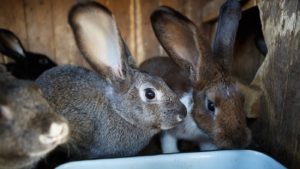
column 208, row 70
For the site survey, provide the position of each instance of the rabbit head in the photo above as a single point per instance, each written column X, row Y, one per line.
column 139, row 98
column 27, row 65
column 218, row 102
column 28, row 127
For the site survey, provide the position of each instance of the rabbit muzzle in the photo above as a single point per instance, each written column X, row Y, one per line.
column 173, row 117
column 236, row 137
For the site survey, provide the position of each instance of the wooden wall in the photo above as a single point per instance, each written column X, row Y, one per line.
column 278, row 128
column 42, row 25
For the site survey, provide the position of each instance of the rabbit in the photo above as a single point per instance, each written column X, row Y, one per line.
column 115, row 109
column 201, row 78
column 29, row 129
column 26, row 65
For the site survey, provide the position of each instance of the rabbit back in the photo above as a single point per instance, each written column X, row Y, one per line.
column 84, row 97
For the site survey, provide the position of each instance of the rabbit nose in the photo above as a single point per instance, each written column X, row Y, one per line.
column 58, row 132
column 180, row 117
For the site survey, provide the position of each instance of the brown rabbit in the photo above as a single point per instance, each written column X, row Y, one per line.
column 29, row 129
column 201, row 77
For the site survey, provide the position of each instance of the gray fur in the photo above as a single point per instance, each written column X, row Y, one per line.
column 25, row 116
column 107, row 114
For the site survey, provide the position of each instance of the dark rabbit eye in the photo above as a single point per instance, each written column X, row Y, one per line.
column 149, row 93
column 43, row 61
column 210, row 106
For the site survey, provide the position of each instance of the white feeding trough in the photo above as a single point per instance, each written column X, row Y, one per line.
column 228, row 159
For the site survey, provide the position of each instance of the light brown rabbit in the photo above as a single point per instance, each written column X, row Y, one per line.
column 201, row 78
column 115, row 110
column 29, row 129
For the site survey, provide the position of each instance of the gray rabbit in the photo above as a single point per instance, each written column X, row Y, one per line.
column 29, row 129
column 115, row 110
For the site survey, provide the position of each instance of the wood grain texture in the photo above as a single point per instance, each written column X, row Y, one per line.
column 39, row 15
column 66, row 51
column 278, row 129
column 42, row 25
column 14, row 21
column 147, row 44
column 211, row 10
column 12, row 17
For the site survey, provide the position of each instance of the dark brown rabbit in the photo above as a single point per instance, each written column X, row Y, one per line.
column 115, row 110
column 29, row 129
column 201, row 78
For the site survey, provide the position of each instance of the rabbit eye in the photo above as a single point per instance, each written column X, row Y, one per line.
column 149, row 93
column 43, row 61
column 210, row 105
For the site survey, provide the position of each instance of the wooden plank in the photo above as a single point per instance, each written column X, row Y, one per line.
column 178, row 5
column 40, row 26
column 66, row 51
column 278, row 130
column 146, row 43
column 12, row 17
column 211, row 10
column 194, row 11
column 13, row 21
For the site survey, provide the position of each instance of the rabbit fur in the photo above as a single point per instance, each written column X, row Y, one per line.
column 29, row 127
column 201, row 78
column 114, row 110
column 26, row 65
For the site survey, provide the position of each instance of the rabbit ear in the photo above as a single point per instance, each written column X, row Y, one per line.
column 98, row 39
column 10, row 45
column 181, row 39
column 5, row 113
column 131, row 61
column 223, row 46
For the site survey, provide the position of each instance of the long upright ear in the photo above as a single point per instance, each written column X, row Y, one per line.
column 131, row 61
column 223, row 46
column 10, row 45
column 181, row 39
column 5, row 113
column 99, row 40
